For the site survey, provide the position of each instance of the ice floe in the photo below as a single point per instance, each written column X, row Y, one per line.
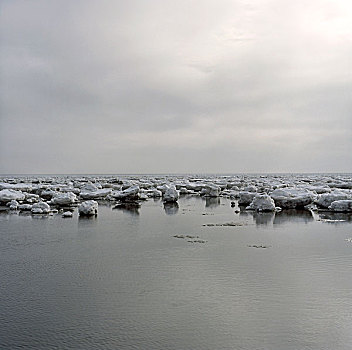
column 25, row 207
column 325, row 200
column 342, row 206
column 210, row 190
column 262, row 202
column 88, row 208
column 63, row 199
column 170, row 194
column 292, row 198
column 40, row 208
column 128, row 194
column 96, row 194
column 13, row 205
column 8, row 195
column 320, row 193
column 246, row 198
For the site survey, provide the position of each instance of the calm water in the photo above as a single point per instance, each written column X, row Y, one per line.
column 122, row 281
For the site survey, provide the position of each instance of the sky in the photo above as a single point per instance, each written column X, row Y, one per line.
column 165, row 86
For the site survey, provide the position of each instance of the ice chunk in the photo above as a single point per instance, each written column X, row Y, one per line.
column 131, row 193
column 95, row 194
column 8, row 195
column 48, row 194
column 291, row 198
column 262, row 202
column 319, row 189
column 342, row 206
column 153, row 193
column 15, row 186
column 170, row 195
column 25, row 207
column 325, row 200
column 245, row 197
column 250, row 189
column 183, row 190
column 210, row 190
column 88, row 187
column 13, row 205
column 143, row 196
column 40, row 208
column 62, row 199
column 31, row 197
column 163, row 188
column 88, row 208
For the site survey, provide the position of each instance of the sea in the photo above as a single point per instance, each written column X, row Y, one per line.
column 198, row 275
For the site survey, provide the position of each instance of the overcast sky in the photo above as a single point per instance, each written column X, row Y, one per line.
column 173, row 86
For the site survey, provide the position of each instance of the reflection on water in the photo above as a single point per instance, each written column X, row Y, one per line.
column 128, row 207
column 293, row 215
column 259, row 218
column 266, row 218
column 263, row 218
column 335, row 216
column 83, row 218
column 171, row 208
column 40, row 216
column 211, row 202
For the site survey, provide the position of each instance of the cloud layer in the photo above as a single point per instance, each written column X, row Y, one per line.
column 175, row 86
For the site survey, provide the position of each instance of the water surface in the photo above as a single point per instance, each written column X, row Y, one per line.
column 122, row 281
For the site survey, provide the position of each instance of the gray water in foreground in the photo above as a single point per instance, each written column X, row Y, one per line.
column 122, row 281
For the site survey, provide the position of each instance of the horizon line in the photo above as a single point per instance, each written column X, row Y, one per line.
column 173, row 174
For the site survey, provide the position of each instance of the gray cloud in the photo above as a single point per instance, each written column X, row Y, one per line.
column 164, row 86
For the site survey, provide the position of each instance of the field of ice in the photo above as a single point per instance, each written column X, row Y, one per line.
column 46, row 195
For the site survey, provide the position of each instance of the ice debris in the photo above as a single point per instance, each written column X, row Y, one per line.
column 342, row 206
column 40, row 208
column 325, row 200
column 245, row 197
column 289, row 191
column 210, row 190
column 88, row 208
column 262, row 202
column 292, row 198
column 129, row 194
column 63, row 199
column 8, row 195
column 170, row 195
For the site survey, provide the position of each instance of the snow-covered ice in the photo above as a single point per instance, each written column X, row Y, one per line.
column 245, row 197
column 292, row 198
column 324, row 200
column 342, row 206
column 64, row 199
column 130, row 193
column 40, row 208
column 96, row 194
column 170, row 195
column 88, row 208
column 210, row 190
column 262, row 202
column 8, row 195
column 318, row 192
